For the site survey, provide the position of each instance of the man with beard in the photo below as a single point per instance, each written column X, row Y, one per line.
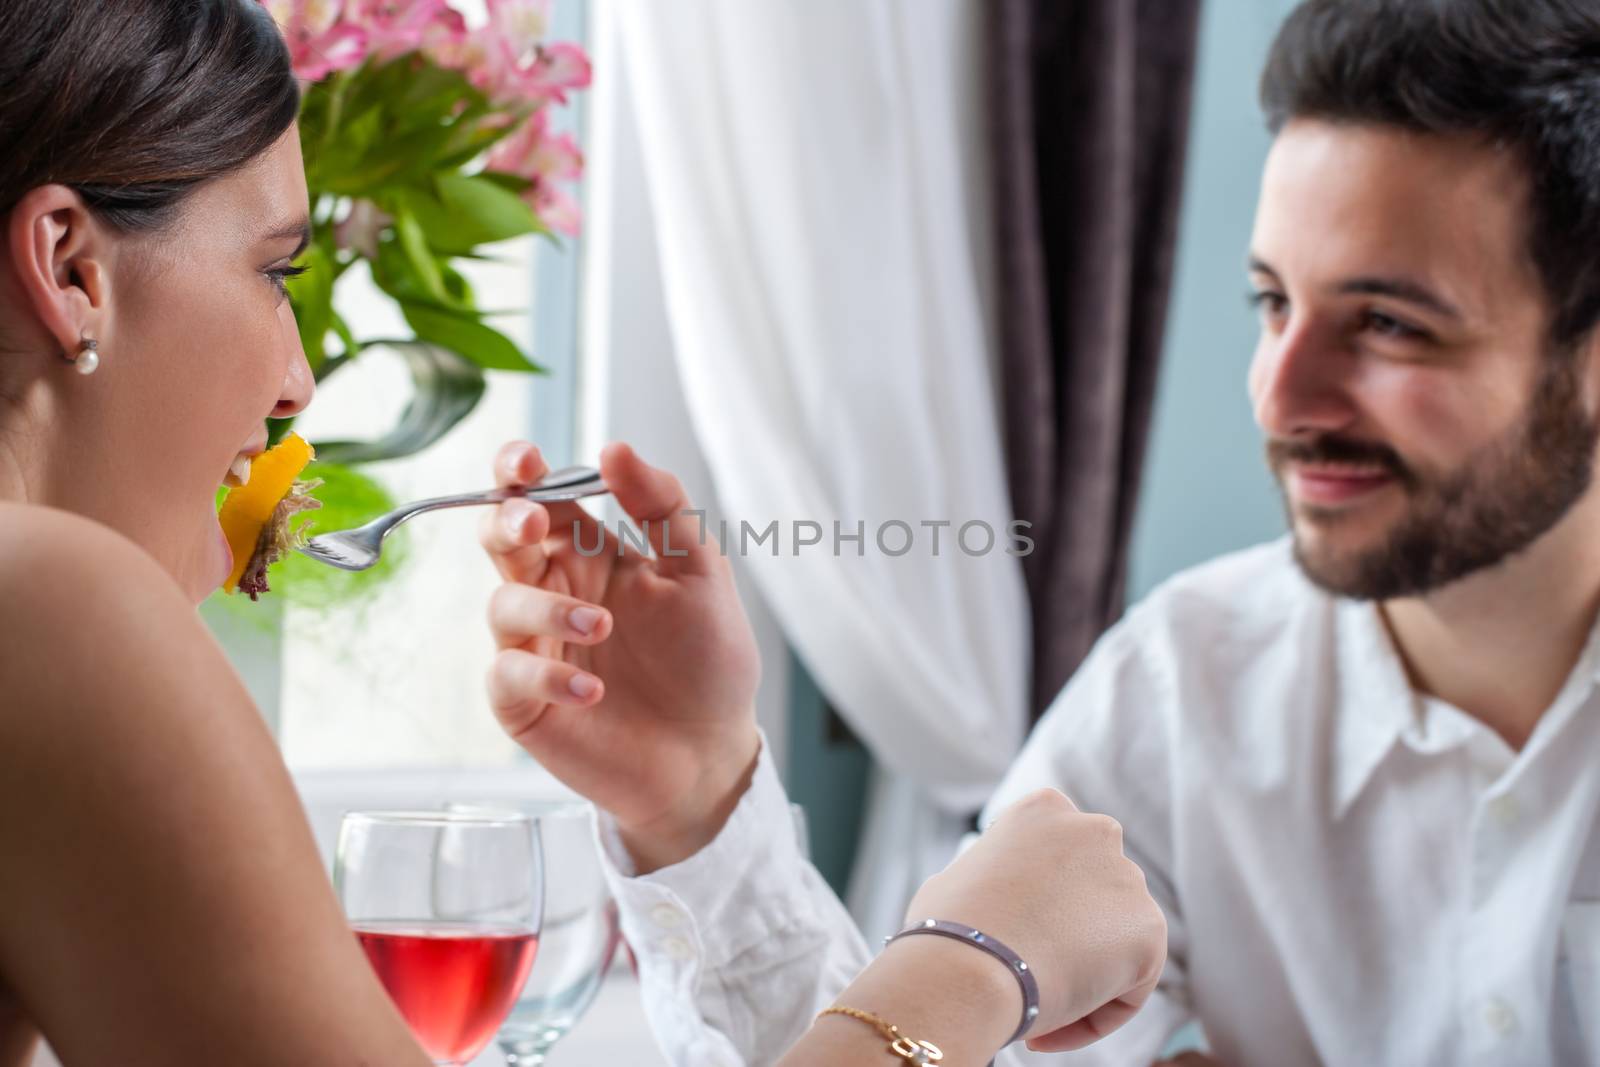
column 1360, row 767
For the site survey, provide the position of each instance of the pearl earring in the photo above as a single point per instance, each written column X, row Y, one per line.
column 87, row 360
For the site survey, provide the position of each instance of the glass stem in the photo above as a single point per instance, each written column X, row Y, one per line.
column 524, row 1054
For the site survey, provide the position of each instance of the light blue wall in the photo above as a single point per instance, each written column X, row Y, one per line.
column 1206, row 488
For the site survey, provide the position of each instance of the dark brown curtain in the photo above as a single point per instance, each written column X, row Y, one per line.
column 1089, row 115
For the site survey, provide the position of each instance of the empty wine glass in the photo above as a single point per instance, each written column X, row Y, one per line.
column 447, row 906
column 579, row 937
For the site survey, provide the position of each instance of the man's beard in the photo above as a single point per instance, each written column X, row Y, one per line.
column 1501, row 500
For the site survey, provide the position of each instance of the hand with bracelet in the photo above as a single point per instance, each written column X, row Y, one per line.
column 1046, row 885
column 632, row 677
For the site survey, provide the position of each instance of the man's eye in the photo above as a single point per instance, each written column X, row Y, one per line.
column 1268, row 302
column 1388, row 326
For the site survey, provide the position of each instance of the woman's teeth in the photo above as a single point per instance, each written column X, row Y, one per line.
column 238, row 472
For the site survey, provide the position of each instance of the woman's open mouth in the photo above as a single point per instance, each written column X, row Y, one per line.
column 238, row 472
column 239, row 468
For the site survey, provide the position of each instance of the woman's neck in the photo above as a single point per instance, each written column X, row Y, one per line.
column 13, row 482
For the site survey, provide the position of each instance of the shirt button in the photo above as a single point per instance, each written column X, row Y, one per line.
column 1505, row 810
column 678, row 949
column 665, row 915
column 1498, row 1014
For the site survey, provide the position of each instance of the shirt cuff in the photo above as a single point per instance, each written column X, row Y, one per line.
column 752, row 881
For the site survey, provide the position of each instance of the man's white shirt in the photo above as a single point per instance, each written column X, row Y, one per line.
column 1352, row 873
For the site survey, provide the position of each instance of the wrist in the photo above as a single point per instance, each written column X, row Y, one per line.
column 698, row 815
column 939, row 990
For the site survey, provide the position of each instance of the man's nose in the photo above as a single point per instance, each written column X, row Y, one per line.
column 1299, row 384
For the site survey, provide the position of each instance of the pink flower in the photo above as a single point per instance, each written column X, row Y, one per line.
column 505, row 59
column 514, row 154
column 530, row 152
column 360, row 228
column 556, row 68
column 319, row 43
column 520, row 24
column 491, row 65
column 395, row 27
column 443, row 40
column 556, row 208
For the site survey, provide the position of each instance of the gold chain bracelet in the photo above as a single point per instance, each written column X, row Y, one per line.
column 908, row 1049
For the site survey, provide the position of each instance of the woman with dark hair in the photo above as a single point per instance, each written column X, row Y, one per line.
column 161, row 898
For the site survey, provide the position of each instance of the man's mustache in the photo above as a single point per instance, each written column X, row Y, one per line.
column 1332, row 449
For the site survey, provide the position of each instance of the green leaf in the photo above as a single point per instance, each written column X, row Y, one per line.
column 392, row 272
column 458, row 212
column 445, row 388
column 458, row 287
column 342, row 329
column 470, row 141
column 424, row 268
column 486, row 347
column 311, row 294
column 487, row 210
column 514, row 182
column 278, row 429
column 339, row 161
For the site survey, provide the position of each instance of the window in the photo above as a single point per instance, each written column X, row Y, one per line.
column 396, row 680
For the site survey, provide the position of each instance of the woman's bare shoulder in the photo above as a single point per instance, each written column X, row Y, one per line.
column 171, row 901
column 82, row 608
column 41, row 548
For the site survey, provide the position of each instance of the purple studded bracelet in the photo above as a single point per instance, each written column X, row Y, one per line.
column 997, row 949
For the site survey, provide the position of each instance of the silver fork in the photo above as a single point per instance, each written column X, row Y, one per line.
column 358, row 549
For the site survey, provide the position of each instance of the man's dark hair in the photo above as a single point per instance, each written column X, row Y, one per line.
column 1522, row 73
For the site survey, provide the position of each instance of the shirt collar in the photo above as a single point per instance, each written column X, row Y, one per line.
column 1375, row 703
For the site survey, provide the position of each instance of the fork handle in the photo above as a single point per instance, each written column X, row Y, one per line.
column 569, row 483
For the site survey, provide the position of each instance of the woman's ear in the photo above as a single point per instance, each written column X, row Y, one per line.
column 59, row 253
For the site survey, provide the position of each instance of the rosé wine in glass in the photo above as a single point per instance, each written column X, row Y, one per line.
column 447, row 906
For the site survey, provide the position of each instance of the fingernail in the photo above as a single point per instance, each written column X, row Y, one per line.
column 583, row 620
column 515, row 516
column 583, row 686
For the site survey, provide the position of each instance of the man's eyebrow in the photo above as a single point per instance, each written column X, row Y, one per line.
column 1407, row 289
column 300, row 228
column 1257, row 265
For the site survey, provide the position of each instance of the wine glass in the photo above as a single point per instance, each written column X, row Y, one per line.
column 579, row 938
column 447, row 906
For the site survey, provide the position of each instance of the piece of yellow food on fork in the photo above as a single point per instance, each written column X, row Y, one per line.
column 255, row 515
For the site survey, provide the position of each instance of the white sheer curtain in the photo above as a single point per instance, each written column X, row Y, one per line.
column 816, row 176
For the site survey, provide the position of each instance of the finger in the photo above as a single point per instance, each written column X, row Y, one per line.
column 1097, row 1024
column 522, row 686
column 1084, row 1032
column 518, row 463
column 519, row 612
column 514, row 536
column 656, row 500
column 571, row 525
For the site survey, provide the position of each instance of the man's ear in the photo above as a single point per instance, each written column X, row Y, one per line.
column 60, row 254
column 1588, row 366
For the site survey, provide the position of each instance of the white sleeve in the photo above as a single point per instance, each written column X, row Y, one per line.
column 740, row 945
column 1108, row 742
